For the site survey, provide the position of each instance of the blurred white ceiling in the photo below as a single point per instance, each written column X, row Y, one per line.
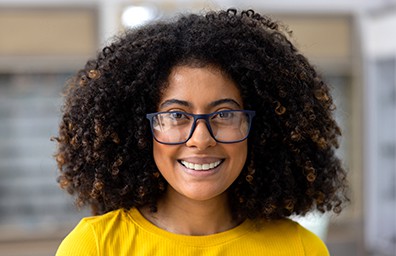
column 270, row 5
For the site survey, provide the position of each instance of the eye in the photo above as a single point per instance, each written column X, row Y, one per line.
column 177, row 115
column 224, row 115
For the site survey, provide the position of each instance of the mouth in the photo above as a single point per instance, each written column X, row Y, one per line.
column 201, row 167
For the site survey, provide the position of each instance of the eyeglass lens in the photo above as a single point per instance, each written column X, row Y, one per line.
column 176, row 127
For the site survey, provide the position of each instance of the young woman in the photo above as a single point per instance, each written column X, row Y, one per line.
column 199, row 136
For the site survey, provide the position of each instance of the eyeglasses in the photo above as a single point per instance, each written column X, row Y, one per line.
column 228, row 126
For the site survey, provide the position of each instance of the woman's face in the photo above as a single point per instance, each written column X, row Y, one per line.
column 200, row 91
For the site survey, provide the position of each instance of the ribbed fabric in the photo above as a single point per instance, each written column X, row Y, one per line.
column 123, row 232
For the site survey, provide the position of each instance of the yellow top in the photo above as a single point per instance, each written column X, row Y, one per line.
column 124, row 232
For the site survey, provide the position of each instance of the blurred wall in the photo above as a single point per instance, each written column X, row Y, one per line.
column 46, row 39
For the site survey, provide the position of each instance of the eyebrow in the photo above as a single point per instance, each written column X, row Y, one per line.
column 174, row 101
column 187, row 104
column 223, row 101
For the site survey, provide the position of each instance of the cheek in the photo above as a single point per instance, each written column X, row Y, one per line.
column 158, row 154
column 163, row 155
column 243, row 154
column 238, row 155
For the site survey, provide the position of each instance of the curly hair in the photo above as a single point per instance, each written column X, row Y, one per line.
column 105, row 145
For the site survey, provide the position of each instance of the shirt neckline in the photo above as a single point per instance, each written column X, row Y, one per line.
column 196, row 241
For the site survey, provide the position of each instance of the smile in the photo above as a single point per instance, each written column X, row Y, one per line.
column 200, row 167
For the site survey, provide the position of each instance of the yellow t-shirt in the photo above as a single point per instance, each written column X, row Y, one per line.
column 127, row 232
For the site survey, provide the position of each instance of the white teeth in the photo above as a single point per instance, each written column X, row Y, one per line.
column 199, row 167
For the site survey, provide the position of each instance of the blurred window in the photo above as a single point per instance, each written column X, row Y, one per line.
column 382, row 176
column 30, row 200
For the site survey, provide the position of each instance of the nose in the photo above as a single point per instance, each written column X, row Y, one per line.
column 201, row 137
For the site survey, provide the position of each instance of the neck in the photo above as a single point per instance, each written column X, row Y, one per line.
column 181, row 215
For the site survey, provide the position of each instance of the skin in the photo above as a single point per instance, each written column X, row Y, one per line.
column 196, row 202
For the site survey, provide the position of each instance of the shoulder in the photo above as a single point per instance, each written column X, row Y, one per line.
column 113, row 218
column 310, row 242
column 91, row 233
column 290, row 237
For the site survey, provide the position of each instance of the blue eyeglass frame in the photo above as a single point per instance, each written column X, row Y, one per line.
column 250, row 113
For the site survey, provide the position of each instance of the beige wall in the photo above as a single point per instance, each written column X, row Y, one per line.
column 326, row 40
column 46, row 39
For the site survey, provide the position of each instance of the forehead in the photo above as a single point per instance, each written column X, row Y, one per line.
column 199, row 86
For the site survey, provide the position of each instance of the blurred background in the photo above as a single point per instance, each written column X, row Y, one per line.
column 43, row 42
